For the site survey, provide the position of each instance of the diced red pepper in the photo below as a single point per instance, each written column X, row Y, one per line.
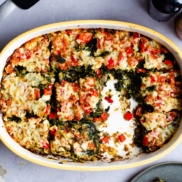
column 50, row 85
column 47, row 110
column 15, row 60
column 104, row 116
column 109, row 99
column 53, row 131
column 97, row 119
column 108, row 36
column 143, row 85
column 105, row 139
column 110, row 63
column 87, row 111
column 141, row 70
column 95, row 93
column 143, row 41
column 172, row 115
column 136, row 35
column 152, row 79
column 91, row 145
column 168, row 62
column 84, row 37
column 120, row 58
column 28, row 54
column 128, row 116
column 149, row 98
column 158, row 104
column 48, row 91
column 37, row 93
column 9, row 102
column 161, row 79
column 78, row 136
column 142, row 47
column 121, row 138
column 45, row 145
column 68, row 31
column 76, row 87
column 99, row 43
column 129, row 50
column 9, row 68
column 99, row 73
column 53, row 115
column 74, row 61
column 67, row 130
column 145, row 141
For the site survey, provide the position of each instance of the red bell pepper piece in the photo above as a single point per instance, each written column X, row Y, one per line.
column 109, row 99
column 136, row 35
column 52, row 115
column 121, row 138
column 145, row 141
column 168, row 62
column 105, row 139
column 128, row 116
column 129, row 50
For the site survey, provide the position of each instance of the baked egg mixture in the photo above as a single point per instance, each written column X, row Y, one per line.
column 91, row 95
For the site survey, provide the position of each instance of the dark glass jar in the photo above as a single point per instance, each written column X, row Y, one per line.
column 163, row 10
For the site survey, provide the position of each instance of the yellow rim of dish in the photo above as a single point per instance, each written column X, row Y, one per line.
column 105, row 23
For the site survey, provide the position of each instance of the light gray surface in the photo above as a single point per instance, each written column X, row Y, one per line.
column 45, row 12
column 6, row 8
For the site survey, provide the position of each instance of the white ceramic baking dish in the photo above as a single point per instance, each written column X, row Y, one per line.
column 89, row 166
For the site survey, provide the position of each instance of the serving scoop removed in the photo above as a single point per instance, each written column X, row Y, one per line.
column 9, row 5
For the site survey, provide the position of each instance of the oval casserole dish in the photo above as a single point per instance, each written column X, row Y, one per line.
column 89, row 166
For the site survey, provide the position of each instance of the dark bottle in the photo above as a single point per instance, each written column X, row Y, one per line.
column 163, row 10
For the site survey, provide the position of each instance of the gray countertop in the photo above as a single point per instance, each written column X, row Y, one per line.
column 45, row 12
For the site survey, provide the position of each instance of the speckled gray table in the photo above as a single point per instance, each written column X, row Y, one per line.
column 45, row 12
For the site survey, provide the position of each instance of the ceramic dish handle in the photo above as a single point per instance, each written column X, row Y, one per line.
column 6, row 8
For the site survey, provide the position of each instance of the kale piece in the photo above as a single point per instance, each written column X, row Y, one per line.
column 151, row 88
column 73, row 74
column 55, row 122
column 53, row 101
column 141, row 64
column 93, row 133
column 20, row 70
column 97, row 113
column 46, row 83
column 29, row 115
column 118, row 86
column 14, row 118
column 134, row 85
column 60, row 59
column 91, row 46
column 147, row 108
column 118, row 74
column 140, row 131
column 103, row 54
